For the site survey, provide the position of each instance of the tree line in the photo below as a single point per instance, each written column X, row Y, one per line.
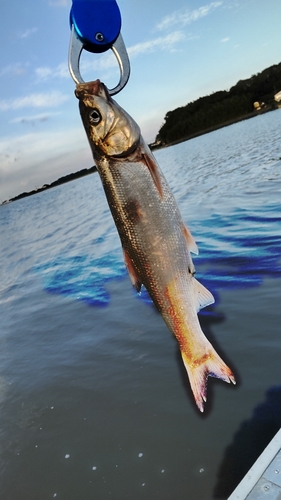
column 58, row 182
column 220, row 107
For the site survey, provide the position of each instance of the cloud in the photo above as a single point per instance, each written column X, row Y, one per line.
column 62, row 71
column 34, row 147
column 45, row 72
column 47, row 100
column 28, row 160
column 18, row 69
column 163, row 43
column 43, row 117
column 28, row 33
column 185, row 16
column 96, row 65
column 108, row 61
column 225, row 40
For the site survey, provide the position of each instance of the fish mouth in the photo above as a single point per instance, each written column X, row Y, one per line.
column 96, row 88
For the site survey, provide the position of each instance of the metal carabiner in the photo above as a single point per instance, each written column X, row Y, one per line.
column 97, row 30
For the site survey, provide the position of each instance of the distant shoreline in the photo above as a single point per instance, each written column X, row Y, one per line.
column 58, row 182
column 85, row 171
column 259, row 93
column 214, row 127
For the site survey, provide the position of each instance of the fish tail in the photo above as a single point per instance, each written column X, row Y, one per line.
column 209, row 365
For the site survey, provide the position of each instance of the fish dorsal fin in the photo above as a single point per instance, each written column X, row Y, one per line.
column 202, row 296
column 136, row 282
column 152, row 167
column 191, row 243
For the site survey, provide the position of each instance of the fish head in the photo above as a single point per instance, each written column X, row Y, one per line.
column 110, row 130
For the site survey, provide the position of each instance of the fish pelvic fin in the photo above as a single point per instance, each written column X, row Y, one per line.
column 190, row 241
column 136, row 282
column 209, row 365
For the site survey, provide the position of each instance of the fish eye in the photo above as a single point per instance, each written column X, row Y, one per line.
column 94, row 116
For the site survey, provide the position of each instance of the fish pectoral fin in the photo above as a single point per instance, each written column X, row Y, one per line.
column 191, row 243
column 136, row 282
column 202, row 296
column 152, row 167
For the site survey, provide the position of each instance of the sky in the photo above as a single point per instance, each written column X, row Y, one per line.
column 179, row 51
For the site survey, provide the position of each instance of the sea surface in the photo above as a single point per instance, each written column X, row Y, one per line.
column 94, row 400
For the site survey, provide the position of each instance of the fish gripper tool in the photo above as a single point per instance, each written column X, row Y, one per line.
column 95, row 27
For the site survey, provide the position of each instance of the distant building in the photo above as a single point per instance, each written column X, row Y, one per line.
column 156, row 144
column 257, row 106
column 277, row 96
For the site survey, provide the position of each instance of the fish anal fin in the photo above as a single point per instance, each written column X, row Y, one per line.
column 202, row 296
column 209, row 365
column 191, row 243
column 152, row 167
column 136, row 282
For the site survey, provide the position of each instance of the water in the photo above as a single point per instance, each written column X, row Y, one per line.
column 94, row 400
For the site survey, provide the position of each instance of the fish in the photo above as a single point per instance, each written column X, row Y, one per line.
column 156, row 243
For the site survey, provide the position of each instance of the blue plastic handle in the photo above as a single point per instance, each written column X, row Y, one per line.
column 96, row 22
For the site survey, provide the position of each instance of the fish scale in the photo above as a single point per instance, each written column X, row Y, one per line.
column 150, row 211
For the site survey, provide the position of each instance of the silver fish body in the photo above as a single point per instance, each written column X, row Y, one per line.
column 155, row 241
